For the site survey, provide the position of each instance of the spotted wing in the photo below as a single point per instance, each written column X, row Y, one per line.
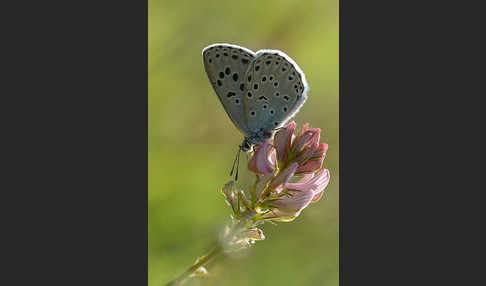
column 276, row 88
column 226, row 66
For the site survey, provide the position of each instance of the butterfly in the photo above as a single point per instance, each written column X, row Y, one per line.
column 259, row 91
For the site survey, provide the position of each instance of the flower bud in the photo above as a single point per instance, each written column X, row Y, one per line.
column 232, row 200
column 244, row 239
column 200, row 272
column 242, row 198
column 252, row 234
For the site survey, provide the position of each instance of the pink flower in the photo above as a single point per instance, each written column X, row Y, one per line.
column 276, row 198
column 290, row 205
column 306, row 138
column 303, row 129
column 307, row 153
column 263, row 159
column 283, row 139
column 284, row 176
column 313, row 158
column 316, row 183
column 297, row 197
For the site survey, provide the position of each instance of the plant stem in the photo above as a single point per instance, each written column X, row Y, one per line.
column 244, row 222
column 200, row 262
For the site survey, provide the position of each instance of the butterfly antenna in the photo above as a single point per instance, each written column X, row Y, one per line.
column 236, row 163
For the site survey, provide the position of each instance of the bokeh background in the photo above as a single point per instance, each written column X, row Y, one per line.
column 192, row 142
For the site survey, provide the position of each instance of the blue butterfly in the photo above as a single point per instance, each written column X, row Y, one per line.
column 259, row 91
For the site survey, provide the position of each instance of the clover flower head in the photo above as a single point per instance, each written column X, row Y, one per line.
column 289, row 177
column 289, row 172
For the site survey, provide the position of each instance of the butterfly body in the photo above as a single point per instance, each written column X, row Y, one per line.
column 259, row 91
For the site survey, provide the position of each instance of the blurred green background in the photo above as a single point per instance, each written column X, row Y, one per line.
column 192, row 142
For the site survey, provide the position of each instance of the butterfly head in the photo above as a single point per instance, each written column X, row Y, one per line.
column 256, row 139
column 246, row 146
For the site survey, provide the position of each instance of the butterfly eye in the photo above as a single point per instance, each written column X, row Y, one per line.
column 247, row 145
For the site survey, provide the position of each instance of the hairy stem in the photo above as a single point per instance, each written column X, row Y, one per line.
column 200, row 262
column 245, row 222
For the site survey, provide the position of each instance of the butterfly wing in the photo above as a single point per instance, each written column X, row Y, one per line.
column 276, row 89
column 226, row 66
